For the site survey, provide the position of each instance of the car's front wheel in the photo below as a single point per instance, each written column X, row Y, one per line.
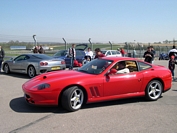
column 72, row 98
column 31, row 71
column 6, row 68
column 154, row 90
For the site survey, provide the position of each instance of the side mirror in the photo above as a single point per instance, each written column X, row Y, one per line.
column 112, row 71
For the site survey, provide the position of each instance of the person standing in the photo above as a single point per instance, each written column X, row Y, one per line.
column 122, row 52
column 2, row 54
column 41, row 50
column 72, row 55
column 89, row 54
column 134, row 53
column 35, row 50
column 172, row 52
column 171, row 65
column 98, row 53
column 154, row 52
column 148, row 55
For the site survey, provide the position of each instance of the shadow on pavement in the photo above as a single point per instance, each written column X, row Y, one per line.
column 16, row 75
column 21, row 106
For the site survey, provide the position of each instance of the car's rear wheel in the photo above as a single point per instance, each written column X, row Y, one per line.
column 154, row 90
column 6, row 68
column 72, row 98
column 31, row 71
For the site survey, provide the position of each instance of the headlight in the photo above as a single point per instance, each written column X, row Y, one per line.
column 43, row 86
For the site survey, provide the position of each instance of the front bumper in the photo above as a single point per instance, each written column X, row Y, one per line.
column 43, row 98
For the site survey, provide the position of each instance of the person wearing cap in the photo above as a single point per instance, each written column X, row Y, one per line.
column 171, row 65
column 98, row 53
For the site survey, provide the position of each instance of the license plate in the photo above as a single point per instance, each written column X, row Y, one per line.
column 55, row 68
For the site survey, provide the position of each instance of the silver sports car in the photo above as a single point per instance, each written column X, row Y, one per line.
column 33, row 64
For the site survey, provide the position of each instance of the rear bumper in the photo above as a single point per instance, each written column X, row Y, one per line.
column 49, row 69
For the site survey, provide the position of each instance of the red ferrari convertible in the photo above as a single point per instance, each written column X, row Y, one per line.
column 107, row 78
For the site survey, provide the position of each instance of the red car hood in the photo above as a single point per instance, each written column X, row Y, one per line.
column 63, row 76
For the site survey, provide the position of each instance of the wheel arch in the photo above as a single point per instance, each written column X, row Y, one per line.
column 159, row 79
column 80, row 86
column 29, row 66
column 4, row 66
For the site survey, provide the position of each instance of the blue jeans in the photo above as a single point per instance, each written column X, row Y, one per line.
column 71, row 63
column 172, row 72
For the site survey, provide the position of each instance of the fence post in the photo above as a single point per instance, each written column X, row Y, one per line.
column 110, row 44
column 91, row 43
column 35, row 41
column 65, row 43
column 139, row 47
column 167, row 49
column 126, row 45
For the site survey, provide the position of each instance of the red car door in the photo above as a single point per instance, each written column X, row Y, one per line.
column 123, row 83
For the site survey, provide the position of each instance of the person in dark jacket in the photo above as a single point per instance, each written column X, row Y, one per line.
column 35, row 50
column 171, row 65
column 98, row 53
column 2, row 54
column 41, row 50
column 72, row 56
column 148, row 55
column 154, row 52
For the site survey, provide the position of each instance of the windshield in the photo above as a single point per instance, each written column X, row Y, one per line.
column 61, row 53
column 96, row 66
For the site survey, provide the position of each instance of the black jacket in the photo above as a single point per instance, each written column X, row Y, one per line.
column 2, row 54
column 148, row 58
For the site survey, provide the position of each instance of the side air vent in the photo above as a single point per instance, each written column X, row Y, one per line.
column 94, row 91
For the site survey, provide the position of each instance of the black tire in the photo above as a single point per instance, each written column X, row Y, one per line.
column 31, row 72
column 72, row 99
column 6, row 68
column 153, row 90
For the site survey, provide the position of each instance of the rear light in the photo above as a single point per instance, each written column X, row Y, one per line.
column 62, row 62
column 43, row 63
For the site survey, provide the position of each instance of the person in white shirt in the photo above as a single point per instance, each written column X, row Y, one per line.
column 122, row 67
column 89, row 53
column 172, row 52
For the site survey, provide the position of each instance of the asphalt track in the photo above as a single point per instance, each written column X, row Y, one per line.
column 134, row 115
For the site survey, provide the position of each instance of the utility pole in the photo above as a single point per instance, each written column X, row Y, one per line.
column 65, row 43
column 91, row 43
column 35, row 41
column 110, row 44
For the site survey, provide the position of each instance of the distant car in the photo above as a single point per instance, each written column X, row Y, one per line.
column 33, row 64
column 111, row 53
column 98, row 81
column 163, row 56
column 80, row 54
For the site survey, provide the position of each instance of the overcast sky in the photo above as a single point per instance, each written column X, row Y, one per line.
column 78, row 20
